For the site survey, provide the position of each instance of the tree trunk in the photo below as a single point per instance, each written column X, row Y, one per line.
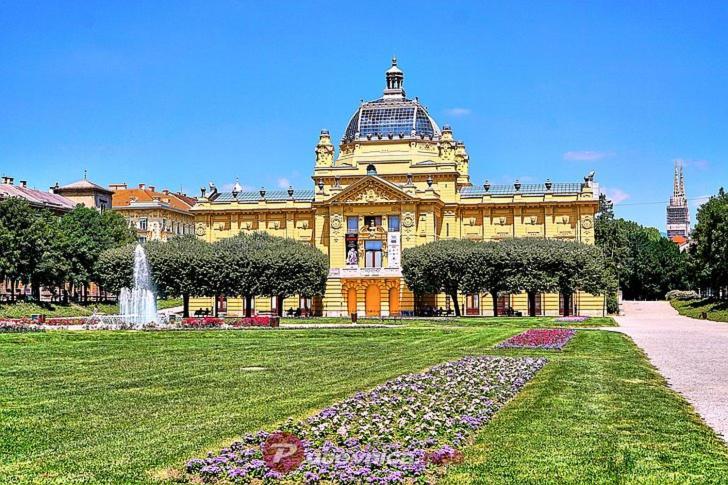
column 248, row 304
column 185, row 305
column 454, row 296
column 567, row 304
column 494, row 296
column 531, row 304
column 214, row 306
column 13, row 283
column 35, row 290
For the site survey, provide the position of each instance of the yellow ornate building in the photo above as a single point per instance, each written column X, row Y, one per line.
column 398, row 181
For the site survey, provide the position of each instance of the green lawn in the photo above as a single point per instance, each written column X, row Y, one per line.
column 125, row 406
column 23, row 309
column 717, row 310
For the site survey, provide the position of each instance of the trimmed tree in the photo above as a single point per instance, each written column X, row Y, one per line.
column 532, row 267
column 177, row 269
column 114, row 268
column 288, row 267
column 487, row 271
column 438, row 267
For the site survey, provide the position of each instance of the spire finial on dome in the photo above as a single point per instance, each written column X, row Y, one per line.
column 395, row 81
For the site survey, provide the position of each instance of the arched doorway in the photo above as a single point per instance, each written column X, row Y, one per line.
column 373, row 300
column 394, row 301
column 351, row 300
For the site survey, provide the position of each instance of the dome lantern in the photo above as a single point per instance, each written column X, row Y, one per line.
column 395, row 82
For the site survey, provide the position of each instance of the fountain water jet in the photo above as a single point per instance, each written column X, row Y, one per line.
column 138, row 305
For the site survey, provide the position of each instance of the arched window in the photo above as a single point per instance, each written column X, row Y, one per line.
column 371, row 169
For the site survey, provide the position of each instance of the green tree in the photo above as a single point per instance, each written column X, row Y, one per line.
column 88, row 232
column 487, row 272
column 438, row 267
column 532, row 268
column 709, row 256
column 287, row 267
column 114, row 268
column 177, row 267
column 26, row 235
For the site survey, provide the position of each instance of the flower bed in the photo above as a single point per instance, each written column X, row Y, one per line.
column 572, row 319
column 19, row 325
column 67, row 321
column 202, row 322
column 256, row 321
column 400, row 431
column 539, row 338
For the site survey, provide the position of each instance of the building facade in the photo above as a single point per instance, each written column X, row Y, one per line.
column 398, row 181
column 155, row 216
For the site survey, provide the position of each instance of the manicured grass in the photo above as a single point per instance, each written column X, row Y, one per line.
column 23, row 309
column 598, row 413
column 125, row 406
column 113, row 406
column 717, row 310
column 462, row 322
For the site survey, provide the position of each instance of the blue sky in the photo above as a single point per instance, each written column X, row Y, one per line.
column 177, row 94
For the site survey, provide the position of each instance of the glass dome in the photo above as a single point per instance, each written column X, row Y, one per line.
column 392, row 115
column 388, row 118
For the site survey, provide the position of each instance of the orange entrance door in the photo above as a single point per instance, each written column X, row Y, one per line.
column 351, row 300
column 394, row 301
column 373, row 301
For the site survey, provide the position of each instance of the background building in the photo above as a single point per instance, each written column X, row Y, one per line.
column 399, row 181
column 86, row 193
column 36, row 198
column 154, row 215
column 678, row 214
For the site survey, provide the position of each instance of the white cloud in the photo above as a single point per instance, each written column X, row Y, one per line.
column 615, row 194
column 700, row 164
column 283, row 183
column 458, row 112
column 586, row 155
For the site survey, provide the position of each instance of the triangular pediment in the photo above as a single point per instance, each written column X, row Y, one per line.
column 371, row 189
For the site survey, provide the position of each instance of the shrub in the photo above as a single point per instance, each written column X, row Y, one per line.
column 682, row 295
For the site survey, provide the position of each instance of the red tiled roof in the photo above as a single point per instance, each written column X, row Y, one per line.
column 125, row 197
column 37, row 198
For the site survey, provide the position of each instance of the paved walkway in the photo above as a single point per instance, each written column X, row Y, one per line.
column 692, row 354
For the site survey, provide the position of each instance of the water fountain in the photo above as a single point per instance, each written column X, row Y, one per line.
column 138, row 305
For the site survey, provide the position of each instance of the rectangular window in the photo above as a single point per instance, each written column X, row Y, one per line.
column 373, row 254
column 393, row 223
column 143, row 223
column 370, row 221
column 352, row 224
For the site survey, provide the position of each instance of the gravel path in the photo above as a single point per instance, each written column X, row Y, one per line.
column 692, row 354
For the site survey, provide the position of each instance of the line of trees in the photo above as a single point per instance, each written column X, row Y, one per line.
column 647, row 264
column 246, row 265
column 531, row 266
column 41, row 249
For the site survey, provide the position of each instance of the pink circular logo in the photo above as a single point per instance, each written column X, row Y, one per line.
column 283, row 452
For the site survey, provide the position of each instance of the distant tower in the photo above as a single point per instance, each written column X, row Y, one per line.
column 678, row 215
